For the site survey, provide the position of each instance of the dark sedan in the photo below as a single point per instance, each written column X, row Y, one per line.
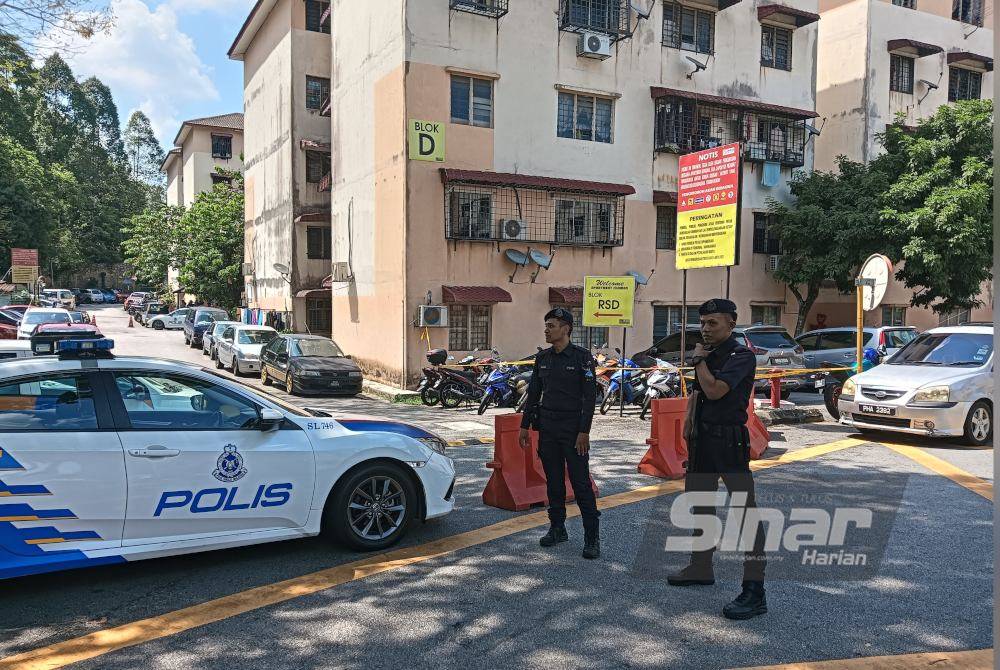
column 309, row 364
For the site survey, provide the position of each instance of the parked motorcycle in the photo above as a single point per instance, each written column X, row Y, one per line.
column 631, row 383
column 432, row 376
column 458, row 385
column 500, row 388
column 834, row 382
column 662, row 383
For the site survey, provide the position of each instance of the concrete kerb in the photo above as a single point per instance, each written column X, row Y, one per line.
column 392, row 394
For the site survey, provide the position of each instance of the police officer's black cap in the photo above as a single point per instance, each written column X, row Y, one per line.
column 718, row 306
column 563, row 315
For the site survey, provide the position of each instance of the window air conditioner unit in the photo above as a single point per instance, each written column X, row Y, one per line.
column 512, row 229
column 433, row 316
column 773, row 262
column 341, row 272
column 593, row 45
column 247, row 269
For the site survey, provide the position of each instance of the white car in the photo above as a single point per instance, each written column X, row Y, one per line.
column 36, row 316
column 239, row 347
column 172, row 321
column 940, row 384
column 194, row 462
column 13, row 349
column 95, row 295
column 61, row 296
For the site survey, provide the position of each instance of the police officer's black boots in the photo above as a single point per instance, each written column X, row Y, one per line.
column 555, row 535
column 696, row 573
column 748, row 604
column 591, row 544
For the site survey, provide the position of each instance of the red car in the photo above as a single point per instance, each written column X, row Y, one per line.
column 46, row 335
column 8, row 324
column 17, row 309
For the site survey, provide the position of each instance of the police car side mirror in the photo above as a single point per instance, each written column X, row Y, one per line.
column 270, row 418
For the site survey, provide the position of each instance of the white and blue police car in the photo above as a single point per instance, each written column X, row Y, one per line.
column 109, row 459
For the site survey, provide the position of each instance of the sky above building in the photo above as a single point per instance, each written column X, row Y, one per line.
column 168, row 58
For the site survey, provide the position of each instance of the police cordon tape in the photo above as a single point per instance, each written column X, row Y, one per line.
column 767, row 373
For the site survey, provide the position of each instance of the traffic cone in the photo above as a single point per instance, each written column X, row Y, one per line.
column 131, row 324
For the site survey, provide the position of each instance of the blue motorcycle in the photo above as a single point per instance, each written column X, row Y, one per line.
column 500, row 388
column 627, row 382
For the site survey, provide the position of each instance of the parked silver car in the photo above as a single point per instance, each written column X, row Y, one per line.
column 774, row 348
column 209, row 341
column 838, row 346
column 239, row 347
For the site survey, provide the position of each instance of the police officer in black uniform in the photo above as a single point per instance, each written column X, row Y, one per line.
column 560, row 406
column 719, row 446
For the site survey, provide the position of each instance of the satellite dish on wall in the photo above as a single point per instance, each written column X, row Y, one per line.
column 640, row 279
column 542, row 259
column 878, row 269
column 642, row 12
column 516, row 257
column 281, row 268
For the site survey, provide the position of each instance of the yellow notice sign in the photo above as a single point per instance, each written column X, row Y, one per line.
column 426, row 140
column 608, row 301
column 24, row 274
column 706, row 238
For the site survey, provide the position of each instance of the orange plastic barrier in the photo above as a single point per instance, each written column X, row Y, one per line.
column 667, row 454
column 518, row 479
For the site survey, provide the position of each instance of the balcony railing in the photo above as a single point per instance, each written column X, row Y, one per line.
column 767, row 132
column 491, row 8
column 610, row 17
column 490, row 207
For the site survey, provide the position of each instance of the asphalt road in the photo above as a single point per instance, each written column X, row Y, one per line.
column 474, row 589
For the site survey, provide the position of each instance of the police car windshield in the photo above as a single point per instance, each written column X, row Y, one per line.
column 314, row 348
column 157, row 309
column 256, row 336
column 947, row 349
column 77, row 317
column 33, row 318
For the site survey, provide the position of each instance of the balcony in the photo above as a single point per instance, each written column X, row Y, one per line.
column 492, row 8
column 610, row 17
column 686, row 121
column 498, row 207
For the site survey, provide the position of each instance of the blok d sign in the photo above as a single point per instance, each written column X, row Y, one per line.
column 708, row 192
column 426, row 141
column 608, row 301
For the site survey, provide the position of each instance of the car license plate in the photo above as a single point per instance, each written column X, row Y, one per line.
column 334, row 384
column 820, row 383
column 43, row 347
column 880, row 410
column 780, row 361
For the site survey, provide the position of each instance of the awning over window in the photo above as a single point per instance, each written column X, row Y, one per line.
column 312, row 145
column 970, row 59
column 464, row 295
column 313, row 293
column 661, row 92
column 921, row 49
column 799, row 17
column 567, row 295
column 313, row 217
column 529, row 181
column 328, row 282
column 664, row 197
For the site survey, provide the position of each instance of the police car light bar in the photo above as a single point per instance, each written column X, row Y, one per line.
column 70, row 348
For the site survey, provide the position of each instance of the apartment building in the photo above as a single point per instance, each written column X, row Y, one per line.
column 284, row 46
column 464, row 129
column 881, row 58
column 200, row 147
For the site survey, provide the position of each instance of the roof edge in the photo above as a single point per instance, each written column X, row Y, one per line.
column 241, row 43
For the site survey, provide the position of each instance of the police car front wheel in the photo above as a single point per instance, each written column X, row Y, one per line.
column 371, row 507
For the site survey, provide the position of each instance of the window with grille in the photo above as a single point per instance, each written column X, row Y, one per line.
column 900, row 73
column 585, row 336
column 776, row 47
column 317, row 91
column 471, row 215
column 765, row 238
column 317, row 166
column 955, row 318
column 909, row 4
column 314, row 15
column 968, row 11
column 599, row 16
column 319, row 315
column 667, row 319
column 471, row 101
column 964, row 84
column 666, row 227
column 585, row 117
column 468, row 327
column 493, row 8
column 221, row 178
column 222, row 146
column 766, row 315
column 583, row 221
column 893, row 315
column 688, row 29
column 318, row 242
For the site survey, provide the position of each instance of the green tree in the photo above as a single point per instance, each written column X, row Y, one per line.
column 152, row 242
column 143, row 150
column 59, row 21
column 937, row 209
column 831, row 227
column 17, row 90
column 212, row 234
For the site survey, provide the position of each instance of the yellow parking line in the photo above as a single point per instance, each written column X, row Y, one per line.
column 951, row 660
column 935, row 464
column 106, row 641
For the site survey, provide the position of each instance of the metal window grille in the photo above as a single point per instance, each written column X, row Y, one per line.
column 472, row 101
column 688, row 29
column 900, row 73
column 319, row 315
column 222, row 146
column 955, row 318
column 967, row 11
column 666, row 227
column 964, row 84
column 909, row 4
column 893, row 315
column 667, row 319
column 507, row 213
column 585, row 117
column 585, row 336
column 318, row 242
column 766, row 315
column 317, row 166
column 492, row 8
column 765, row 239
column 221, row 178
column 776, row 47
column 468, row 327
column 317, row 92
column 684, row 125
column 610, row 17
column 315, row 11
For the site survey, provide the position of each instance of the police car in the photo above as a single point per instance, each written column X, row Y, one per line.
column 109, row 459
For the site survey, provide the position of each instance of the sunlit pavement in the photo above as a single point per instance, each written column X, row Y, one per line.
column 475, row 590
